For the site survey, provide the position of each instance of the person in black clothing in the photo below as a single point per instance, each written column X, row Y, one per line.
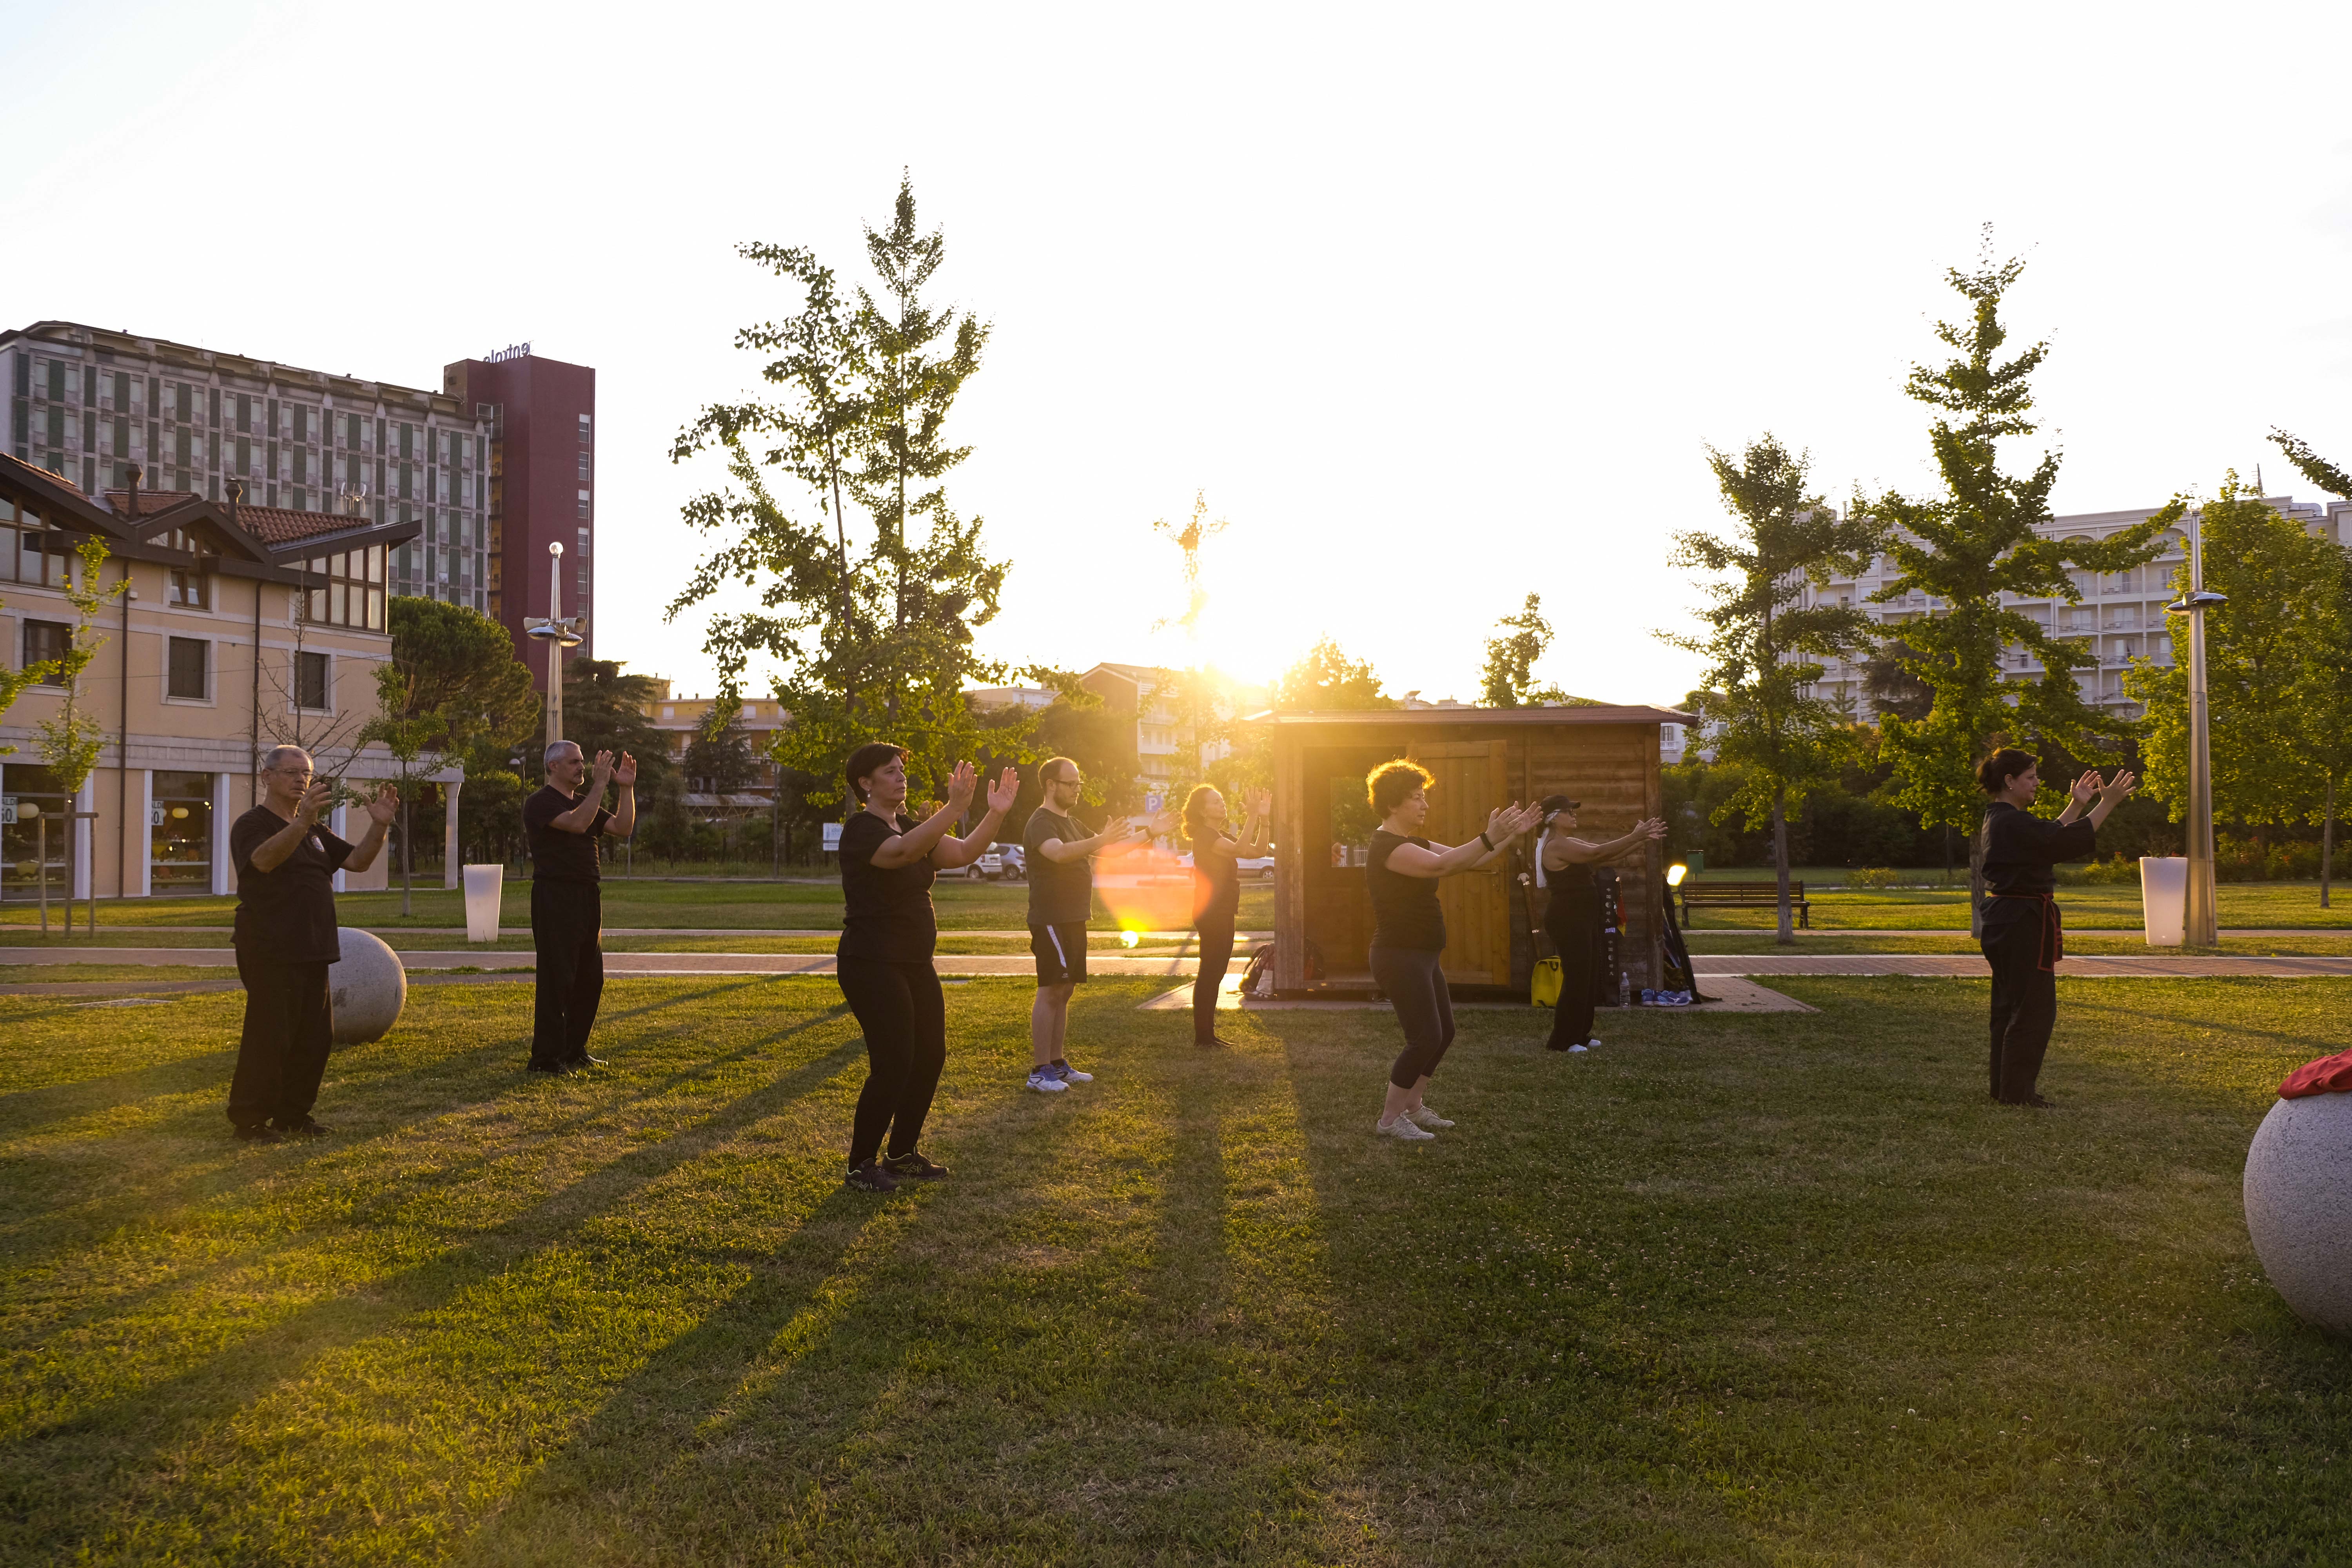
column 2022, row 938
column 1217, row 892
column 561, row 824
column 1572, row 918
column 1409, row 930
column 285, row 865
column 884, row 963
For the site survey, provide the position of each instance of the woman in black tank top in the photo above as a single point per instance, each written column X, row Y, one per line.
column 1573, row 920
column 1217, row 892
column 1409, row 930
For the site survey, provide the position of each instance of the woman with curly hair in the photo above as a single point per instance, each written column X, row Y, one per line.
column 1400, row 874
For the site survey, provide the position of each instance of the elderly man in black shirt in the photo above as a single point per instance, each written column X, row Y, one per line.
column 562, row 822
column 285, row 865
column 2022, row 938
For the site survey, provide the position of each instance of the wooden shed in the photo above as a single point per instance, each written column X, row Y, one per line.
column 1606, row 758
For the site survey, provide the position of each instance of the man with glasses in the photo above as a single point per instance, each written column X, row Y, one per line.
column 286, row 937
column 1059, row 853
column 561, row 824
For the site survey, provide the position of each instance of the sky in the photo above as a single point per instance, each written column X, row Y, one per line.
column 1439, row 307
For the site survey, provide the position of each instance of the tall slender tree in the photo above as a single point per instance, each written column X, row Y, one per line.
column 1509, row 677
column 2326, row 696
column 1968, row 548
column 1763, row 645
column 871, row 623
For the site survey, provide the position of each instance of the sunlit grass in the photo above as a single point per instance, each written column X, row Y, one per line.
column 1760, row 1288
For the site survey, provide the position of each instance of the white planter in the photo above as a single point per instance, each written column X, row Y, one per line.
column 2164, row 897
column 2299, row 1206
column 484, row 886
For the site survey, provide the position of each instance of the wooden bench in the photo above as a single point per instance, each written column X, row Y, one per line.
column 1743, row 896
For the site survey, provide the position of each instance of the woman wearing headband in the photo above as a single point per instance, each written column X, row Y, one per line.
column 1217, row 892
column 1409, row 930
column 1572, row 921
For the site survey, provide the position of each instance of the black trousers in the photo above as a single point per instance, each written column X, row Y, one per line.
column 567, row 925
column 2025, row 998
column 1580, row 983
column 1415, row 985
column 905, row 1017
column 1215, row 929
column 289, row 1024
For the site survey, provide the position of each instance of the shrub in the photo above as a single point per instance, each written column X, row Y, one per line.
column 1874, row 876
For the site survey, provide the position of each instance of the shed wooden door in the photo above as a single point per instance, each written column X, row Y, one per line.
column 1471, row 779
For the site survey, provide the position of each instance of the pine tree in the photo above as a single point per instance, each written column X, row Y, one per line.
column 1508, row 680
column 1966, row 549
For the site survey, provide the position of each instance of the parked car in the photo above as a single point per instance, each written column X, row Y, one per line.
column 1012, row 861
column 1258, row 867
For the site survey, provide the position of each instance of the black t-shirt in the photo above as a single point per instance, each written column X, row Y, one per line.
column 1575, row 900
column 1216, row 883
column 2020, row 849
column 1061, row 892
column 885, row 912
column 1404, row 909
column 287, row 915
column 557, row 855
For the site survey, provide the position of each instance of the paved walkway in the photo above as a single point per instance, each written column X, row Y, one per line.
column 1022, row 934
column 1971, row 965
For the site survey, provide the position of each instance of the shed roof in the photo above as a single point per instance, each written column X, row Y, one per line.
column 1426, row 717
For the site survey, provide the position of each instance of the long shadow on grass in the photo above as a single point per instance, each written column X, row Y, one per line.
column 117, row 1434
column 388, row 1196
column 922, row 1391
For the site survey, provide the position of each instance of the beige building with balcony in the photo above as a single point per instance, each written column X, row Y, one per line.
column 244, row 627
column 2121, row 616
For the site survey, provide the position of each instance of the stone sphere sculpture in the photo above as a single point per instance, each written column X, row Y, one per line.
column 368, row 988
column 2299, row 1206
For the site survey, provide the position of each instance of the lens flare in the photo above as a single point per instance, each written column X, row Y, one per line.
column 1128, row 938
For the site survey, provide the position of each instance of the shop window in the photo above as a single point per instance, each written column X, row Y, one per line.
column 179, row 829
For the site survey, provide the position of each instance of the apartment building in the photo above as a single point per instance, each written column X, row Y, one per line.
column 2120, row 618
column 243, row 627
column 681, row 720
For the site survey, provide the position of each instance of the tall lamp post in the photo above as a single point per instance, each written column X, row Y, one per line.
column 558, row 632
column 2199, row 925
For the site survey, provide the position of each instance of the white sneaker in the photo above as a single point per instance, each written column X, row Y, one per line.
column 1590, row 1043
column 1072, row 1075
column 1045, row 1080
column 1424, row 1117
column 1577, row 1051
column 1402, row 1127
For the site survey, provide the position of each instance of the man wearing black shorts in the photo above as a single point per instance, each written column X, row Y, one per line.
column 1059, row 854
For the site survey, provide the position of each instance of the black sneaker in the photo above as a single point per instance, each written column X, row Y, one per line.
column 914, row 1168
column 307, row 1127
column 264, row 1134
column 872, row 1178
column 553, row 1069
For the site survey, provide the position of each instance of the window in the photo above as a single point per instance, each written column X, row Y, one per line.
column 244, row 415
column 46, row 641
column 180, row 830
column 22, row 558
column 584, row 430
column 583, row 465
column 345, row 589
column 185, row 677
column 190, row 588
column 352, row 429
column 311, row 680
column 584, row 506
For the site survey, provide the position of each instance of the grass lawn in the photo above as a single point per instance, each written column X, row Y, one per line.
column 797, row 906
column 2079, row 943
column 2257, row 905
column 1762, row 1289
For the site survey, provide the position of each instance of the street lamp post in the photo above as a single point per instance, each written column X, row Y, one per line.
column 558, row 632
column 2199, row 925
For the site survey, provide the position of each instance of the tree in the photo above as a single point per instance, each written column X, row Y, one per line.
column 407, row 735
column 1325, row 678
column 875, row 643
column 455, row 662
column 71, row 738
column 1966, row 549
column 1509, row 680
column 2326, row 696
column 605, row 710
column 2271, row 656
column 1762, row 647
column 721, row 764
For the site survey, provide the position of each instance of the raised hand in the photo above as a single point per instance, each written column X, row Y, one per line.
column 604, row 768
column 1163, row 823
column 2120, row 787
column 386, row 805
column 1651, row 827
column 2085, row 787
column 315, row 800
column 961, row 784
column 1260, row 803
column 1001, row 792
column 624, row 772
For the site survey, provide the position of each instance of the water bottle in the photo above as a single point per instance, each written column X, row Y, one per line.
column 1624, row 988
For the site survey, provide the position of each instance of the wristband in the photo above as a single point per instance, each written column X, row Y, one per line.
column 1486, row 841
